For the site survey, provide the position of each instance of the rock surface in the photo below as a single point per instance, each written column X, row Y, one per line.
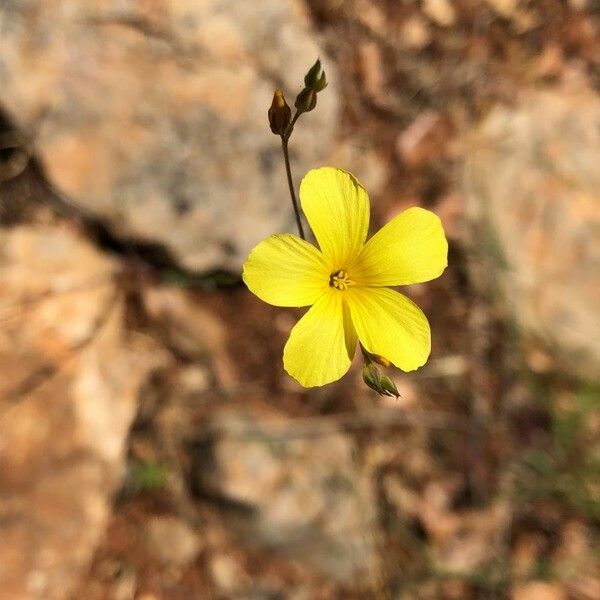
column 68, row 392
column 532, row 184
column 303, row 496
column 153, row 114
column 172, row 541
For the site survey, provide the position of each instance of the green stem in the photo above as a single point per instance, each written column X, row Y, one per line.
column 290, row 128
column 366, row 355
column 284, row 146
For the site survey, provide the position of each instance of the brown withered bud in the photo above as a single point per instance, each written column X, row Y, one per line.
column 280, row 114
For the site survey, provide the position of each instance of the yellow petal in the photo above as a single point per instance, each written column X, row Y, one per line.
column 391, row 325
column 337, row 209
column 411, row 248
column 350, row 335
column 284, row 270
column 318, row 350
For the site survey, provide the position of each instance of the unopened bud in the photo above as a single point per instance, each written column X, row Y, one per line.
column 280, row 114
column 306, row 100
column 315, row 78
column 379, row 382
column 389, row 387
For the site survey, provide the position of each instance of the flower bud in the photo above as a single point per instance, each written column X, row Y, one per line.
column 382, row 384
column 280, row 114
column 306, row 100
column 315, row 78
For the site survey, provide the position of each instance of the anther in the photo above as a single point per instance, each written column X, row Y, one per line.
column 339, row 280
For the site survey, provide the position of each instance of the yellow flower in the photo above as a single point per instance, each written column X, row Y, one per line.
column 344, row 282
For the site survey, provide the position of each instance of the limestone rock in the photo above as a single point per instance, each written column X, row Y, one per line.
column 68, row 392
column 505, row 8
column 153, row 114
column 539, row 590
column 532, row 185
column 441, row 12
column 172, row 541
column 302, row 496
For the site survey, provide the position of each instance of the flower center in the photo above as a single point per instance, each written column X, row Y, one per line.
column 339, row 280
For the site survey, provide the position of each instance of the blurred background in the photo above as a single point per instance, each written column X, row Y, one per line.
column 151, row 445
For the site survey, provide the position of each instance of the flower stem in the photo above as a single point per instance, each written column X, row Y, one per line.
column 366, row 355
column 284, row 146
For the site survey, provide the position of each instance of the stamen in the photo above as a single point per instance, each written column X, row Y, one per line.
column 339, row 280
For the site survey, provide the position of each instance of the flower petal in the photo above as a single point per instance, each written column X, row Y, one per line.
column 337, row 209
column 284, row 270
column 391, row 325
column 411, row 248
column 319, row 349
column 350, row 335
